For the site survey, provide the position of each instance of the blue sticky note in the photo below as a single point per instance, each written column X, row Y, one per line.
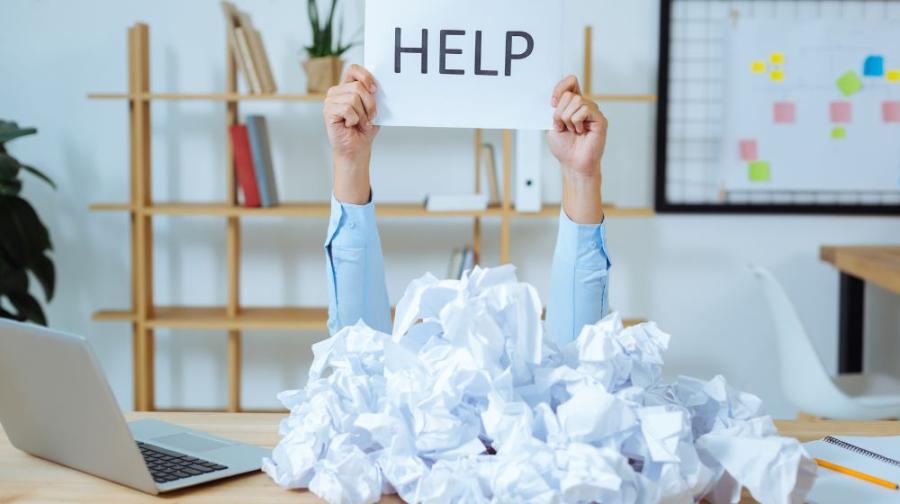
column 874, row 66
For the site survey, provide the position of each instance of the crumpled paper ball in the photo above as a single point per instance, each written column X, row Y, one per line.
column 467, row 401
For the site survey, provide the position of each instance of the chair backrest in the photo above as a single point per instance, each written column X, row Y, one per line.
column 803, row 376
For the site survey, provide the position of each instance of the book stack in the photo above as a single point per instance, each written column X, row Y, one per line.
column 253, row 163
column 461, row 261
column 471, row 202
column 249, row 51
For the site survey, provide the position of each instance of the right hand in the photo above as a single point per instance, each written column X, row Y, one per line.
column 349, row 111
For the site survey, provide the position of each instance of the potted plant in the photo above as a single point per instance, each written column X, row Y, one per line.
column 24, row 240
column 324, row 66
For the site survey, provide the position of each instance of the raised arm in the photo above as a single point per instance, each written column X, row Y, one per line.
column 579, row 288
column 354, row 261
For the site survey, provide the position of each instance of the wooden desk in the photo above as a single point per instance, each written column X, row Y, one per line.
column 878, row 265
column 26, row 479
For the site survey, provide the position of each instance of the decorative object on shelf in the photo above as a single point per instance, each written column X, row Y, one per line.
column 24, row 240
column 324, row 66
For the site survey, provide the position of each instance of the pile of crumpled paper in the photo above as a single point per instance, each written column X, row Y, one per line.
column 467, row 401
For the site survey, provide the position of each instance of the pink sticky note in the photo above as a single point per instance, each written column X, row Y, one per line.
column 749, row 150
column 785, row 112
column 841, row 112
column 891, row 111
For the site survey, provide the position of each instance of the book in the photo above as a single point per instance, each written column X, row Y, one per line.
column 249, row 50
column 456, row 263
column 261, row 61
column 456, row 202
column 468, row 261
column 243, row 165
column 874, row 456
column 489, row 167
column 243, row 41
column 258, row 131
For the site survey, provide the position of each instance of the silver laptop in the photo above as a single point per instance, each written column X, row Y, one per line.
column 56, row 404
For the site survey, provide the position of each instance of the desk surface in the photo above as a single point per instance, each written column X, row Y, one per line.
column 26, row 479
column 878, row 265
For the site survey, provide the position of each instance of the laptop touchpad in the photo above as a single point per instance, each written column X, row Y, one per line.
column 190, row 442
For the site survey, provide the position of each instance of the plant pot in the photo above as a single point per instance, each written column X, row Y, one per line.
column 323, row 73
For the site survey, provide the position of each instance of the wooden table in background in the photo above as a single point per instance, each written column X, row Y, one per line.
column 26, row 479
column 878, row 265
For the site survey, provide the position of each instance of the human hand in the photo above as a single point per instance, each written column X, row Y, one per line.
column 578, row 142
column 348, row 112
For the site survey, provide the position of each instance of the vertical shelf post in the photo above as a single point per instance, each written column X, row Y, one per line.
column 507, row 197
column 588, row 60
column 142, row 253
column 476, row 228
column 233, row 242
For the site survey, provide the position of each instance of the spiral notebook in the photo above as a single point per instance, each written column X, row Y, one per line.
column 876, row 456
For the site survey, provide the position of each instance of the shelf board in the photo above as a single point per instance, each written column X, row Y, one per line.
column 222, row 97
column 283, row 318
column 610, row 210
column 299, row 97
column 215, row 317
column 323, row 210
column 111, row 207
column 114, row 316
column 648, row 98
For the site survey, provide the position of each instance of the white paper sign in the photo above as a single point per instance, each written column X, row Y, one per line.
column 464, row 63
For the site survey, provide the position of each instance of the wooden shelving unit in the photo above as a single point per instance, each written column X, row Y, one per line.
column 234, row 318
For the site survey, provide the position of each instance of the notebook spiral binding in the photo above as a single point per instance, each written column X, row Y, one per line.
column 862, row 451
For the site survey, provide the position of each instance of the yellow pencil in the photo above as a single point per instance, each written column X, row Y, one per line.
column 856, row 474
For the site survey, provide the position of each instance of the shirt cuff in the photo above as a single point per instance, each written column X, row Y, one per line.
column 589, row 241
column 349, row 224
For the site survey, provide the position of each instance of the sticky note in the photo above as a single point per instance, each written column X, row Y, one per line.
column 785, row 112
column 759, row 171
column 841, row 112
column 890, row 110
column 893, row 75
column 839, row 132
column 849, row 83
column 874, row 66
column 749, row 150
column 777, row 58
column 777, row 75
column 758, row 66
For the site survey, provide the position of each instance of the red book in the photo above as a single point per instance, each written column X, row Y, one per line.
column 243, row 165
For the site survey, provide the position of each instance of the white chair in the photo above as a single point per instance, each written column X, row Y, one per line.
column 804, row 379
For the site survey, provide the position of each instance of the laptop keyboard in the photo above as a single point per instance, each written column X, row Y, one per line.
column 167, row 466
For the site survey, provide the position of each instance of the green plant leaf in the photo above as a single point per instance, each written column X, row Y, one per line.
column 13, row 244
column 43, row 269
column 10, row 187
column 9, row 167
column 8, row 315
column 28, row 308
column 14, row 281
column 10, row 130
column 39, row 174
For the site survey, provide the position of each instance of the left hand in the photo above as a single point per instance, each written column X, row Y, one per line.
column 578, row 143
column 579, row 139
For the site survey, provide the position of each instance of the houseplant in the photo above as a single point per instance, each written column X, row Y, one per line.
column 324, row 66
column 24, row 240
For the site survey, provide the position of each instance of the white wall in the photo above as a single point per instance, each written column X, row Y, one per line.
column 688, row 273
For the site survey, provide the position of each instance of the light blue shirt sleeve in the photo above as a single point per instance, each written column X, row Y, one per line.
column 579, row 282
column 355, row 269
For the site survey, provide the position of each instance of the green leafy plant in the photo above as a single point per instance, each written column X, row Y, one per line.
column 324, row 44
column 24, row 240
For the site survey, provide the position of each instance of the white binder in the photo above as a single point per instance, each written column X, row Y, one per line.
column 529, row 152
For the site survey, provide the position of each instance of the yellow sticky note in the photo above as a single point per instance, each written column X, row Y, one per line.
column 758, row 66
column 893, row 75
column 777, row 75
column 777, row 58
